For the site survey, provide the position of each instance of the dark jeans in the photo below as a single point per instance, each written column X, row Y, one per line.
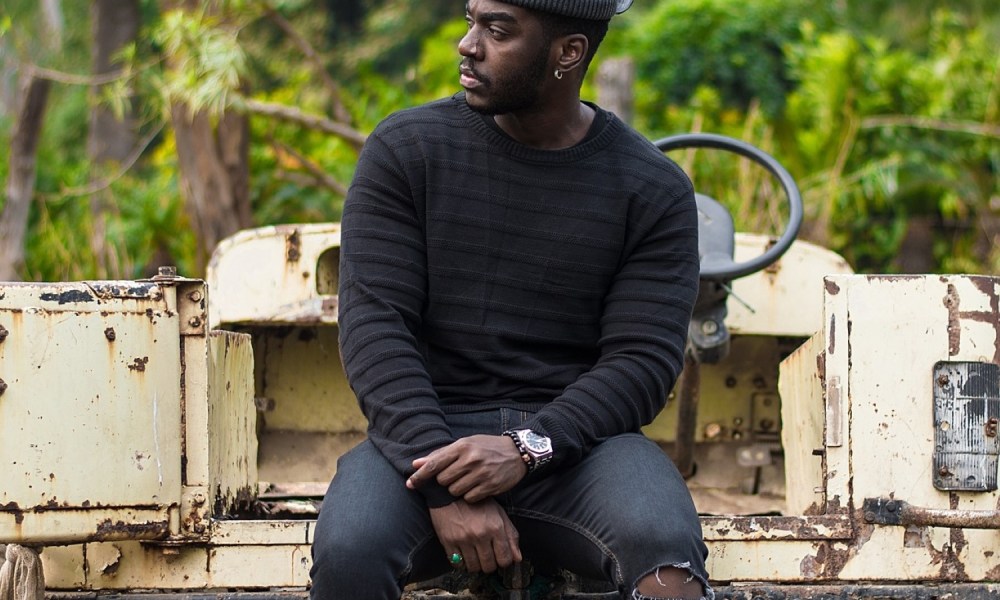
column 618, row 515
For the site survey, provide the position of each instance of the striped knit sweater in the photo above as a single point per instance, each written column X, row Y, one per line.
column 477, row 272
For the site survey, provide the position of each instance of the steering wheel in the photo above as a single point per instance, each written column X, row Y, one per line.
column 717, row 263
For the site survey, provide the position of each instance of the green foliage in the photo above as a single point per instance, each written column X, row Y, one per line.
column 733, row 46
column 884, row 111
column 206, row 62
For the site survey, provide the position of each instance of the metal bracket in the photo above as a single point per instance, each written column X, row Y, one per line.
column 890, row 511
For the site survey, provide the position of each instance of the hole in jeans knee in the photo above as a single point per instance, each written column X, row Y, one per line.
column 673, row 582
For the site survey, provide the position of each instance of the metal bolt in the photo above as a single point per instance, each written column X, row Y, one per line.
column 194, row 322
column 3, row 387
column 891, row 506
column 991, row 427
column 195, row 296
column 870, row 517
column 110, row 334
column 944, row 472
column 3, row 333
column 709, row 327
column 943, row 380
column 166, row 273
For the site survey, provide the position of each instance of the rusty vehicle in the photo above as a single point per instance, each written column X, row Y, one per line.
column 174, row 437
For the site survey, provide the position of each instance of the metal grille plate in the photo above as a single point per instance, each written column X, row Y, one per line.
column 966, row 414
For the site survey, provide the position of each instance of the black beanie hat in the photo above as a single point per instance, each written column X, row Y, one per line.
column 598, row 10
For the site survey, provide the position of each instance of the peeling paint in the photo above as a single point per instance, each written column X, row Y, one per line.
column 67, row 297
column 952, row 301
column 108, row 530
column 293, row 246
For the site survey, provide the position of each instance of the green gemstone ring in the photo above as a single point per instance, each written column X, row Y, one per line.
column 455, row 558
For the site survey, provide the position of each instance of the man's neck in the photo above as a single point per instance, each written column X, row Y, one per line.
column 549, row 129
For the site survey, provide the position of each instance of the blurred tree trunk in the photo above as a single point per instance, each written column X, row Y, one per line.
column 214, row 174
column 214, row 165
column 34, row 94
column 110, row 140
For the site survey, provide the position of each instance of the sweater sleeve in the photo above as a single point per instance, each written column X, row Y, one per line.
column 643, row 334
column 383, row 290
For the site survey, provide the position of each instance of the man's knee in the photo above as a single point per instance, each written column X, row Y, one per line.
column 676, row 582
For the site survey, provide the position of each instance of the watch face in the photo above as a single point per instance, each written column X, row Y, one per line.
column 536, row 443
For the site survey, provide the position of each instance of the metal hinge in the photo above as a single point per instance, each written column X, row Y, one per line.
column 889, row 511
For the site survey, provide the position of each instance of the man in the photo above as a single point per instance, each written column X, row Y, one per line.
column 518, row 270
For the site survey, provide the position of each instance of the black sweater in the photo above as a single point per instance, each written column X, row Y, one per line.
column 477, row 272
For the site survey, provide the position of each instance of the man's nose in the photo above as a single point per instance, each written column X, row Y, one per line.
column 469, row 46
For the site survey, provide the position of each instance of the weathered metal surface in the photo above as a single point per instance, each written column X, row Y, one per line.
column 232, row 423
column 787, row 299
column 739, row 395
column 88, row 420
column 802, row 438
column 966, row 412
column 278, row 275
column 887, row 511
column 48, row 526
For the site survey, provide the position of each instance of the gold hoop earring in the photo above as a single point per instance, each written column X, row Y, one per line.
column 558, row 74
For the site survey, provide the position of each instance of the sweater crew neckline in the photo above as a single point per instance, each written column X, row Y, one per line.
column 605, row 129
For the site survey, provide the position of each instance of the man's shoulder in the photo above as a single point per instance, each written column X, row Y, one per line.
column 420, row 119
column 640, row 158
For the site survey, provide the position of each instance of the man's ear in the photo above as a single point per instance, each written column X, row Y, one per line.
column 572, row 51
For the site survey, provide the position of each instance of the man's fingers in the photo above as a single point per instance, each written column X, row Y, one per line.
column 513, row 538
column 470, row 556
column 426, row 472
column 487, row 561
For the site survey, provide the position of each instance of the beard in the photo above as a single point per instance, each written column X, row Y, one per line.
column 509, row 91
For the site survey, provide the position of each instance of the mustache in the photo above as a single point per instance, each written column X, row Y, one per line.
column 467, row 66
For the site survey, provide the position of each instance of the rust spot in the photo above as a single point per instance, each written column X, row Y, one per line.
column 831, row 287
column 3, row 387
column 13, row 508
column 833, row 334
column 110, row 334
column 68, row 297
column 108, row 530
column 952, row 301
column 989, row 287
column 139, row 364
column 293, row 246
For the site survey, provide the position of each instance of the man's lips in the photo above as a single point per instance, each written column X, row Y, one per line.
column 468, row 78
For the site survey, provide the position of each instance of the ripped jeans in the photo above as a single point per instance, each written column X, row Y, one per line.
column 620, row 514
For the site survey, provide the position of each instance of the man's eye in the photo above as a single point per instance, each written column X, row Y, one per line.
column 496, row 32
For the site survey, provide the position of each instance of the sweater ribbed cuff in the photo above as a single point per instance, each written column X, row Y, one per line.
column 436, row 494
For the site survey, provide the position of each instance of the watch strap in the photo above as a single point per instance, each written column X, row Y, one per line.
column 526, row 456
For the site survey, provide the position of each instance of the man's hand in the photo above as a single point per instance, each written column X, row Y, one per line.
column 482, row 533
column 473, row 468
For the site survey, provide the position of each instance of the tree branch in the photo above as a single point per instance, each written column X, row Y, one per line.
column 970, row 127
column 339, row 111
column 318, row 174
column 105, row 183
column 294, row 115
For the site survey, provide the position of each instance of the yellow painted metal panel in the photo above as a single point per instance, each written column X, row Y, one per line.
column 232, row 426
column 280, row 274
column 802, row 418
column 91, row 412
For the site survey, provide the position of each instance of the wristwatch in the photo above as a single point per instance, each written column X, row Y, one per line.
column 535, row 448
